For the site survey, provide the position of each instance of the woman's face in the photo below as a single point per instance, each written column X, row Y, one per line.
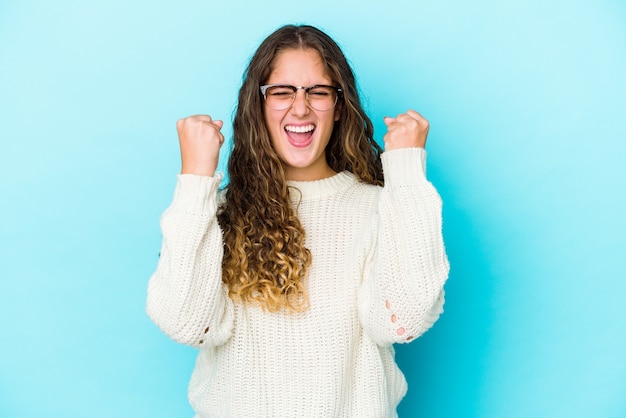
column 300, row 134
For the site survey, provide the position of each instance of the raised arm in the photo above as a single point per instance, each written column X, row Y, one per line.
column 402, row 292
column 186, row 296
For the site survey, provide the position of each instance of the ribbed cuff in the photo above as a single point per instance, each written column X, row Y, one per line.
column 195, row 193
column 404, row 166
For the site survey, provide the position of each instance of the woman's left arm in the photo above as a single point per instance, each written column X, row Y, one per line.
column 402, row 292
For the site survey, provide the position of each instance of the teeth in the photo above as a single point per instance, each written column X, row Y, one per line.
column 299, row 129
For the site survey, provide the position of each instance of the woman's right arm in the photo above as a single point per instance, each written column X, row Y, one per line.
column 186, row 296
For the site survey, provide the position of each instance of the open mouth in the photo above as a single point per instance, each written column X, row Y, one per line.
column 300, row 136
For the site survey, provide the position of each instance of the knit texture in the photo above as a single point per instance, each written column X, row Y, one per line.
column 377, row 277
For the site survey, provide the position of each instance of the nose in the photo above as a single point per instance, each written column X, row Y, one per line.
column 300, row 106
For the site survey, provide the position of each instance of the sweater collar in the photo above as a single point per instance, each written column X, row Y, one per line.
column 305, row 190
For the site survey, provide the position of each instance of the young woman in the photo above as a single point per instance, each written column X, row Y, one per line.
column 296, row 280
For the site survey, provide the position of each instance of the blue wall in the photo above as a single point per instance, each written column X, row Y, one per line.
column 527, row 102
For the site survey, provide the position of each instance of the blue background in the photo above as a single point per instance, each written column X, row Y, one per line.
column 527, row 103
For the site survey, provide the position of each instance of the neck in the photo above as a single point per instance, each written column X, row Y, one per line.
column 296, row 174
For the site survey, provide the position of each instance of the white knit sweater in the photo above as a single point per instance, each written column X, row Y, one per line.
column 377, row 276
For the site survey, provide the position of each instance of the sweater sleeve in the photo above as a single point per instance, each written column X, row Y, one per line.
column 186, row 296
column 402, row 294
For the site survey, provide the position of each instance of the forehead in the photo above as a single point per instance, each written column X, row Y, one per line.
column 300, row 67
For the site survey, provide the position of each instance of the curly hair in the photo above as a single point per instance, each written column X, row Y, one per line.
column 265, row 259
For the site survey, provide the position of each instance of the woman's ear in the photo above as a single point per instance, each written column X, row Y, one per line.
column 338, row 110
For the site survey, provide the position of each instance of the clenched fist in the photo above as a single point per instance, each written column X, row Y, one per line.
column 200, row 141
column 406, row 130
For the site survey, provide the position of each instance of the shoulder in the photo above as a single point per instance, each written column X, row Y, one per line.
column 362, row 186
column 360, row 193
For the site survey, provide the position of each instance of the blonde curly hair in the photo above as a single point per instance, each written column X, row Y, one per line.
column 265, row 259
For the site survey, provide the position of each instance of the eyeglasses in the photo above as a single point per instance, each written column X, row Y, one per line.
column 282, row 96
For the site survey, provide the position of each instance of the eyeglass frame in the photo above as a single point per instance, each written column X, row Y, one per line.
column 306, row 89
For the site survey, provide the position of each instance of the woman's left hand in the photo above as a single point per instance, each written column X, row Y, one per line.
column 407, row 130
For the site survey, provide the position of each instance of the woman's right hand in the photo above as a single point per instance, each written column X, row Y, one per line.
column 200, row 141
